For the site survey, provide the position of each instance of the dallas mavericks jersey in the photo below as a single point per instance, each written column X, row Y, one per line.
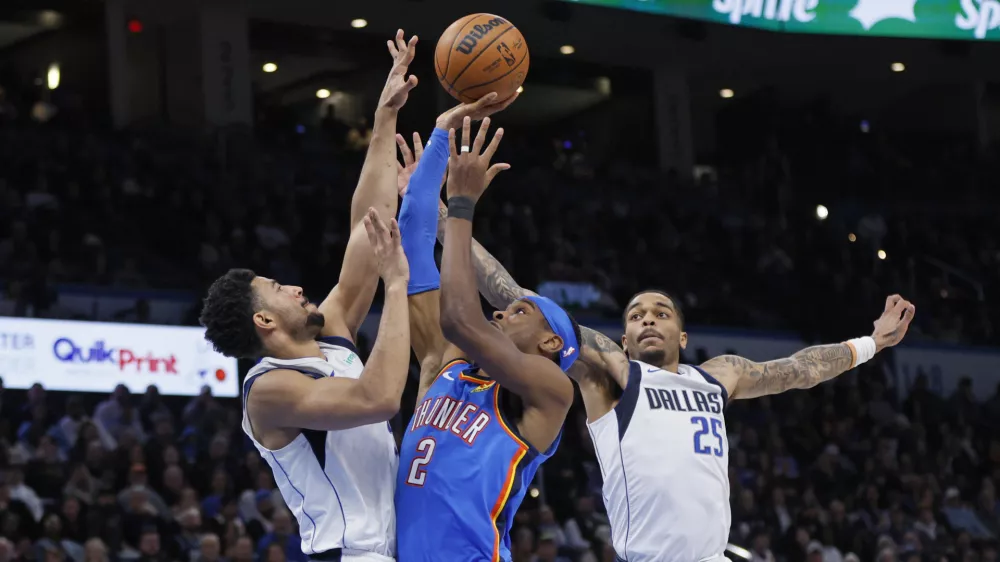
column 338, row 484
column 463, row 472
column 665, row 460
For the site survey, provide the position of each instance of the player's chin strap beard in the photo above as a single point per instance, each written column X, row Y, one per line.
column 315, row 319
column 655, row 357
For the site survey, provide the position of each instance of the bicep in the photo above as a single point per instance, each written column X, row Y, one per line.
column 739, row 375
column 288, row 399
column 347, row 305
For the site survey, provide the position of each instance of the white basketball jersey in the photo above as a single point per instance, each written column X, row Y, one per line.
column 665, row 460
column 339, row 484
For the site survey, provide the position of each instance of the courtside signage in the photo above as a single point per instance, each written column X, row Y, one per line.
column 934, row 19
column 97, row 356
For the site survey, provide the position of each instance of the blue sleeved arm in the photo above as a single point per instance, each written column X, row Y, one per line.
column 418, row 216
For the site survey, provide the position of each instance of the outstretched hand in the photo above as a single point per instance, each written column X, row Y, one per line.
column 894, row 322
column 405, row 170
column 398, row 85
column 386, row 244
column 477, row 111
column 468, row 165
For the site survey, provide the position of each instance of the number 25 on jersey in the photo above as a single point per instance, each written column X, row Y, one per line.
column 704, row 444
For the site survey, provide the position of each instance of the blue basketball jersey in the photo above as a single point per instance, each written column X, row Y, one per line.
column 463, row 471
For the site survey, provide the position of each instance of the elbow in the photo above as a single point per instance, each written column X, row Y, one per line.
column 451, row 318
column 383, row 407
column 381, row 404
column 454, row 326
column 385, row 410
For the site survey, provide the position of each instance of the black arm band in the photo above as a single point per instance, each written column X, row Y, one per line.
column 461, row 208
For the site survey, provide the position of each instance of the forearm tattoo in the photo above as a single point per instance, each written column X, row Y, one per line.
column 805, row 369
column 494, row 281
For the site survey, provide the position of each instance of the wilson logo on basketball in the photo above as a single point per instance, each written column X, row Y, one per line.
column 472, row 38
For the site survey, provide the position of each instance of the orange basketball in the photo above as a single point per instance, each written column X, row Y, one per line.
column 479, row 54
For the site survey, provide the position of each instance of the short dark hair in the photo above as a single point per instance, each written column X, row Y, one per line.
column 576, row 330
column 677, row 305
column 227, row 315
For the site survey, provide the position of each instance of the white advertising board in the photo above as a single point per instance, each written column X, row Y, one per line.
column 97, row 356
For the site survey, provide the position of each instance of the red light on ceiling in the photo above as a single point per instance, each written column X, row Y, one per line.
column 135, row 26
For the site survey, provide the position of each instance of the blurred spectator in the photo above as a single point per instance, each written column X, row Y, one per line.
column 18, row 490
column 284, row 536
column 117, row 414
column 53, row 541
column 582, row 529
column 209, row 549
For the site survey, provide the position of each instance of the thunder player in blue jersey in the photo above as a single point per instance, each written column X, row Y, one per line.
column 492, row 402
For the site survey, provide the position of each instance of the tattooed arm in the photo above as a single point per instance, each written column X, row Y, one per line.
column 495, row 283
column 599, row 356
column 744, row 378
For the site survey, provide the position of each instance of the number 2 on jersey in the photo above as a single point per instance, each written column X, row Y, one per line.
column 716, row 427
column 417, row 473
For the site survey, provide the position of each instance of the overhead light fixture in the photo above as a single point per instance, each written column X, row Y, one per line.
column 50, row 18
column 358, row 23
column 726, row 93
column 852, row 237
column 898, row 67
column 567, row 49
column 270, row 67
column 53, row 76
column 822, row 212
column 520, row 89
column 322, row 93
column 881, row 254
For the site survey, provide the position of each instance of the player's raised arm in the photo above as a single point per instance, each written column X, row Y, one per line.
column 419, row 182
column 348, row 303
column 807, row 368
column 600, row 356
column 417, row 219
column 539, row 381
column 288, row 399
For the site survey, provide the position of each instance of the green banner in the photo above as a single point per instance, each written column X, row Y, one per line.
column 937, row 19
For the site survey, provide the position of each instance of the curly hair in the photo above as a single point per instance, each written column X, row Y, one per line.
column 227, row 315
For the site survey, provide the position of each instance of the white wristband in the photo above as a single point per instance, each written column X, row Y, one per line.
column 863, row 349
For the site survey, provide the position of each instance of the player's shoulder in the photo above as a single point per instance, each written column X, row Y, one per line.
column 276, row 386
column 454, row 371
column 338, row 343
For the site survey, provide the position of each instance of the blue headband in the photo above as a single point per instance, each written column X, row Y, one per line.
column 563, row 327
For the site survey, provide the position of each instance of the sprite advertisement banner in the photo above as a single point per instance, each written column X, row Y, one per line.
column 934, row 19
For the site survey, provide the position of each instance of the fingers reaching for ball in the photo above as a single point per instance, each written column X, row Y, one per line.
column 469, row 170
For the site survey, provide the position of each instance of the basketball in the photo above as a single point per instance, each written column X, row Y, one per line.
column 479, row 54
